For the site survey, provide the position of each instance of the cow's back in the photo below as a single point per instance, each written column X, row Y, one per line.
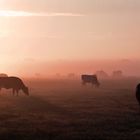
column 89, row 78
column 11, row 82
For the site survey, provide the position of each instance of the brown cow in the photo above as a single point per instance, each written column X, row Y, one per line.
column 90, row 79
column 13, row 83
column 138, row 93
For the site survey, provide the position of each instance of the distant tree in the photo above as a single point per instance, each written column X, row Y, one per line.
column 117, row 74
column 37, row 75
column 71, row 75
column 58, row 75
column 3, row 75
column 102, row 74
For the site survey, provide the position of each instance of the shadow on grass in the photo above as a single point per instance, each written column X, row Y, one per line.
column 36, row 104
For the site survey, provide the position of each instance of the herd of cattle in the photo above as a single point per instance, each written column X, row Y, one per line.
column 16, row 84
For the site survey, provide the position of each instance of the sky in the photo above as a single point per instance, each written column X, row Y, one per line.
column 36, row 34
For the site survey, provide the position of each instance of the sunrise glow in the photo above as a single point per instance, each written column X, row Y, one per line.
column 14, row 13
column 9, row 13
column 48, row 34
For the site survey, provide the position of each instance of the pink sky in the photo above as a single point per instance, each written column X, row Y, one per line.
column 67, row 30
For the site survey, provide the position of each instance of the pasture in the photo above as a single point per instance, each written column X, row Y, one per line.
column 66, row 110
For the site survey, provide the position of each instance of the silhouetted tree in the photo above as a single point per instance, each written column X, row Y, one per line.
column 102, row 74
column 117, row 74
column 58, row 75
column 71, row 75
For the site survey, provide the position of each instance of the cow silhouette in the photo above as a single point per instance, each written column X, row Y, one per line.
column 90, row 79
column 138, row 93
column 13, row 83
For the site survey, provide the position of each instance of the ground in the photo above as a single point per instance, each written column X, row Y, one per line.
column 66, row 110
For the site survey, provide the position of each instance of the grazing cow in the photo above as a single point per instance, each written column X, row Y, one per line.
column 13, row 83
column 138, row 93
column 90, row 79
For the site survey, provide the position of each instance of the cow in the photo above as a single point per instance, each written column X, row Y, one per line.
column 13, row 83
column 138, row 93
column 90, row 79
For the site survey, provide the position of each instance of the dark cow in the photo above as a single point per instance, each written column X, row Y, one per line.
column 138, row 93
column 13, row 83
column 90, row 79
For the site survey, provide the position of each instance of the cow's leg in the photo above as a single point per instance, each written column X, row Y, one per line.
column 13, row 91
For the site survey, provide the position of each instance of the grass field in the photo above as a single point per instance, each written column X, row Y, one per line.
column 66, row 110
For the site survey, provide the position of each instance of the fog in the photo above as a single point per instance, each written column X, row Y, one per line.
column 43, row 69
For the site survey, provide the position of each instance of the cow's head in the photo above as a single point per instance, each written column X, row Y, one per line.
column 138, row 88
column 26, row 90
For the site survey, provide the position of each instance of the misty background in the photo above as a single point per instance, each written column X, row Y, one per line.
column 62, row 36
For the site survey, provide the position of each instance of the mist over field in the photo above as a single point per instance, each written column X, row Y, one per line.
column 31, row 68
column 64, row 109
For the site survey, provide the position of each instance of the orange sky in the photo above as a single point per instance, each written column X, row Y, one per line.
column 37, row 32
